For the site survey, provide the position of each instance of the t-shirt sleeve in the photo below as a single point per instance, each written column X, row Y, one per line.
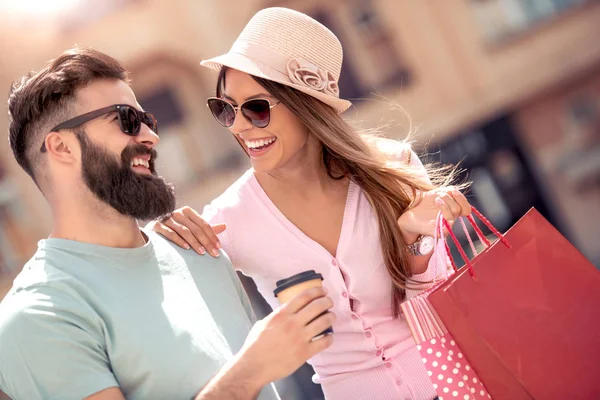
column 244, row 299
column 52, row 347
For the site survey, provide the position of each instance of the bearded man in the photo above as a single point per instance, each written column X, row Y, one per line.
column 105, row 310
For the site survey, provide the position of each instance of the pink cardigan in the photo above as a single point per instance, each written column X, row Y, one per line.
column 373, row 355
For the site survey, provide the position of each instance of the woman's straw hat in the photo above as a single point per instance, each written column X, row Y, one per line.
column 290, row 48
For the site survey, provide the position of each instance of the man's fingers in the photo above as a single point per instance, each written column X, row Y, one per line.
column 313, row 309
column 302, row 299
column 319, row 325
column 320, row 344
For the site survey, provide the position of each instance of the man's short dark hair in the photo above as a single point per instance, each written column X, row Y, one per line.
column 39, row 101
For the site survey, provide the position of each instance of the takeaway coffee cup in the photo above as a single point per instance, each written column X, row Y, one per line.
column 288, row 288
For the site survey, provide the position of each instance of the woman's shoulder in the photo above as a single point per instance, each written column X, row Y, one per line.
column 237, row 191
column 236, row 196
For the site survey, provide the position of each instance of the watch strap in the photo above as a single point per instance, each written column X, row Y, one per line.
column 413, row 249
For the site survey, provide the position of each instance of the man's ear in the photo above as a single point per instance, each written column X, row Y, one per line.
column 63, row 147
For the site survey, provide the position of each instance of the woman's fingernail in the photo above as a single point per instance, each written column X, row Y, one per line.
column 201, row 249
column 439, row 201
column 215, row 253
column 186, row 246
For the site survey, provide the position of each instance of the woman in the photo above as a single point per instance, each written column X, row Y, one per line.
column 361, row 211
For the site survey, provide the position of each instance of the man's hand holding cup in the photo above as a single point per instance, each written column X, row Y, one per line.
column 280, row 343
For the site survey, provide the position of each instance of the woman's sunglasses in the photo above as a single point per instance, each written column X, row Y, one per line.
column 257, row 112
column 130, row 120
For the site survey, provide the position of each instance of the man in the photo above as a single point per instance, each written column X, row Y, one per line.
column 104, row 310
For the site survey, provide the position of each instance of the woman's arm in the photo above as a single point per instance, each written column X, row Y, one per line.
column 420, row 220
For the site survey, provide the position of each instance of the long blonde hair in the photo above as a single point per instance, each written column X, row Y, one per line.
column 390, row 187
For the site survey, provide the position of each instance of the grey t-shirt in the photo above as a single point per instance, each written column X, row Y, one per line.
column 156, row 321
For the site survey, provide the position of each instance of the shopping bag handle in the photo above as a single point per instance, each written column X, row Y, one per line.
column 480, row 235
column 489, row 225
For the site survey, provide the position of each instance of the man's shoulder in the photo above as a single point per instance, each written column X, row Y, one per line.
column 15, row 311
column 205, row 269
column 43, row 329
column 42, row 273
column 165, row 249
column 25, row 307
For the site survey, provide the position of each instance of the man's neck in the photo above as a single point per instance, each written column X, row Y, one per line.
column 99, row 224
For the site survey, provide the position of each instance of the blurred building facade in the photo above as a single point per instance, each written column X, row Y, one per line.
column 511, row 88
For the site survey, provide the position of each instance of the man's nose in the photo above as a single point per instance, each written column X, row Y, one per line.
column 147, row 137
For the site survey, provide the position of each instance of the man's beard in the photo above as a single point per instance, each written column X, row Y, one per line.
column 113, row 181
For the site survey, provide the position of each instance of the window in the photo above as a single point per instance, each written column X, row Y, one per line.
column 348, row 83
column 500, row 19
column 378, row 45
column 503, row 185
column 581, row 121
column 165, row 107
column 580, row 160
column 584, row 110
column 371, row 60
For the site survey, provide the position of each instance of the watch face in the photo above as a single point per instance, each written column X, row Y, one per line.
column 427, row 245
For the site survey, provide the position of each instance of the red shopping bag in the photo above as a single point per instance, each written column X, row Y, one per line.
column 451, row 375
column 527, row 317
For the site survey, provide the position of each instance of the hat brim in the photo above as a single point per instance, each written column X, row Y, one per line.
column 252, row 67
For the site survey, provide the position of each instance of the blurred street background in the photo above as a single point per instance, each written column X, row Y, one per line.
column 509, row 88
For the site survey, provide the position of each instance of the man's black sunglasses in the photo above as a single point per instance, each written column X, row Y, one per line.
column 130, row 120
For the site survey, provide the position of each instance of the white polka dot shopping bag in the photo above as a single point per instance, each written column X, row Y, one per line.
column 451, row 374
column 448, row 369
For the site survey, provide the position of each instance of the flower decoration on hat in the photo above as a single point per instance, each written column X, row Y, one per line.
column 304, row 73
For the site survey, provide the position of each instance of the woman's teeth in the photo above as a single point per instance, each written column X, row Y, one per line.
column 140, row 161
column 258, row 144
